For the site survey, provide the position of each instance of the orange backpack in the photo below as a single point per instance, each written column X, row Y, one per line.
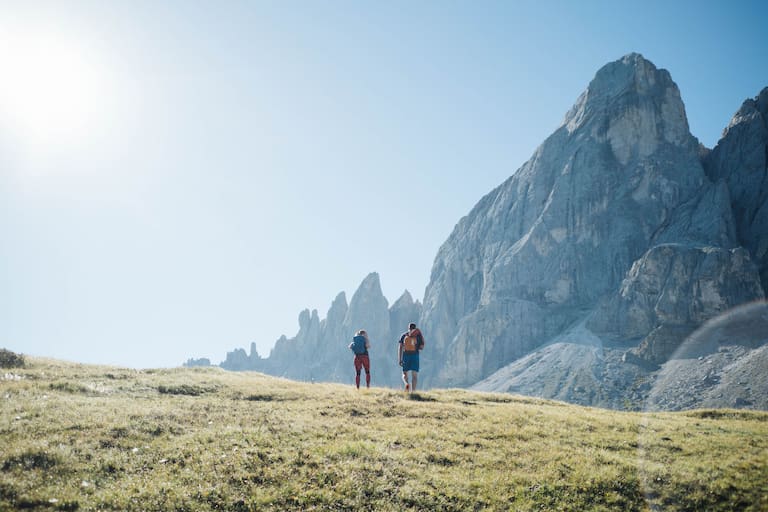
column 411, row 341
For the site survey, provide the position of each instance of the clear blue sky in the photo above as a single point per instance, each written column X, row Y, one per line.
column 182, row 178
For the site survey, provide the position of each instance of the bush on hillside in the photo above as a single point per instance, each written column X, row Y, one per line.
column 10, row 359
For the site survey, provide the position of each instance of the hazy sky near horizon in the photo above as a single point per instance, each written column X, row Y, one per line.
column 179, row 179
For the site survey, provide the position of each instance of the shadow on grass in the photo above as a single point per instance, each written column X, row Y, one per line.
column 268, row 397
column 68, row 387
column 716, row 414
column 421, row 398
column 30, row 460
column 184, row 389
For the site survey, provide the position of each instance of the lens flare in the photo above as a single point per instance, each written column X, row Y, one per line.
column 722, row 366
column 54, row 92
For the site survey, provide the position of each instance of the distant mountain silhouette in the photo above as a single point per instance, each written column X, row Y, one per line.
column 319, row 352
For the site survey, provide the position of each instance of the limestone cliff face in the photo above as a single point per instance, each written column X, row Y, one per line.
column 404, row 311
column 620, row 177
column 671, row 291
column 740, row 160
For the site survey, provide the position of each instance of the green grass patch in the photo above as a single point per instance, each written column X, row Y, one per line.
column 68, row 387
column 78, row 437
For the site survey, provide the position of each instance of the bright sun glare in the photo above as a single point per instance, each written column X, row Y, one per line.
column 52, row 91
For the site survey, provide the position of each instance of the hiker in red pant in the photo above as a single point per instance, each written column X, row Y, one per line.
column 360, row 346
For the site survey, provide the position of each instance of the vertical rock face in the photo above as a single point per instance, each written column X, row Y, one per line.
column 740, row 159
column 368, row 310
column 672, row 290
column 329, row 359
column 403, row 312
column 538, row 254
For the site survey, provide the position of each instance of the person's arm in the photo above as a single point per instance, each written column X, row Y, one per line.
column 400, row 352
column 367, row 342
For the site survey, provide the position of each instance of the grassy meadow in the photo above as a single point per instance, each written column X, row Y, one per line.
column 80, row 437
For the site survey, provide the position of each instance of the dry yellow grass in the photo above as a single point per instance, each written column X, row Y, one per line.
column 77, row 437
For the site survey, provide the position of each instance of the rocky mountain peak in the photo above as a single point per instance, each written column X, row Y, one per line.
column 403, row 312
column 370, row 285
column 339, row 307
column 305, row 318
column 340, row 300
column 762, row 101
column 405, row 300
column 631, row 72
column 752, row 109
column 368, row 308
column 633, row 105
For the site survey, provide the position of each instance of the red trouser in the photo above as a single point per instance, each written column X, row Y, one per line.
column 362, row 362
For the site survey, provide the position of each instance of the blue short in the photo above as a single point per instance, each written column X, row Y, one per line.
column 410, row 362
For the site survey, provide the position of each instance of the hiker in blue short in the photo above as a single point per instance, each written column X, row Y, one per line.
column 411, row 342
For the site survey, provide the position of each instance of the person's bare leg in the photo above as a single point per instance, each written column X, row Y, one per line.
column 405, row 380
column 414, row 378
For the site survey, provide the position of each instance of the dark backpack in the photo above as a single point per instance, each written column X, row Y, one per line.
column 358, row 345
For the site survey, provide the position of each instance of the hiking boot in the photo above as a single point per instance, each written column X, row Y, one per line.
column 407, row 387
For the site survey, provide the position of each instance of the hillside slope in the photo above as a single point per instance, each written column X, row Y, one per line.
column 75, row 437
column 720, row 365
